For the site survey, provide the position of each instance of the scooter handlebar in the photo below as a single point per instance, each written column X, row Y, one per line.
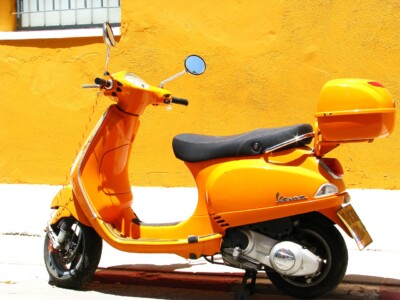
column 103, row 83
column 99, row 83
column 180, row 101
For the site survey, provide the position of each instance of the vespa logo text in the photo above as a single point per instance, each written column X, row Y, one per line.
column 282, row 199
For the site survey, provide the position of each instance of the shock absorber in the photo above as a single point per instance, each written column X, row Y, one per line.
column 65, row 227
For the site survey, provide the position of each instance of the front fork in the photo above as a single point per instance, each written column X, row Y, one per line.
column 66, row 209
column 58, row 240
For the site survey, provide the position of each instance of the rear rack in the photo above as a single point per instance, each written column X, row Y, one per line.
column 289, row 142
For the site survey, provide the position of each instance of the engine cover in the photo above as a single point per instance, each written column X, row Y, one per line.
column 256, row 250
column 289, row 258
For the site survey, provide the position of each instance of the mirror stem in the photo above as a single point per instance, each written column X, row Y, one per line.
column 171, row 78
column 107, row 59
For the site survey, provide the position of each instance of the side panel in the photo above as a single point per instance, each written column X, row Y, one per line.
column 256, row 189
column 248, row 184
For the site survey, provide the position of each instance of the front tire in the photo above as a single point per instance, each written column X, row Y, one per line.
column 328, row 244
column 74, row 263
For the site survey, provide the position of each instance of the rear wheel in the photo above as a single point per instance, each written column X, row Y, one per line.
column 325, row 242
column 75, row 261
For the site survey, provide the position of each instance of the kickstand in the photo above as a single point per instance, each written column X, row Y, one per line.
column 247, row 289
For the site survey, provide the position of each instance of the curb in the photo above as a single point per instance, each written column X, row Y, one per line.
column 351, row 286
column 215, row 281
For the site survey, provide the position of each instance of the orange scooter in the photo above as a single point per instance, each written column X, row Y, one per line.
column 268, row 200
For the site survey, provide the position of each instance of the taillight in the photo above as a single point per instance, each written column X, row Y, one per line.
column 333, row 167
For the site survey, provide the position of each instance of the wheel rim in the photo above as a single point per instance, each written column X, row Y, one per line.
column 69, row 258
column 315, row 243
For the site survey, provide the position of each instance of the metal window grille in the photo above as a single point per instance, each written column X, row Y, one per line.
column 60, row 14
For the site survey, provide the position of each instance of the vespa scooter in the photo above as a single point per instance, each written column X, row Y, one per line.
column 268, row 199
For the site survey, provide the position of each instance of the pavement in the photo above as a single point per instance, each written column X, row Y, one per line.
column 25, row 212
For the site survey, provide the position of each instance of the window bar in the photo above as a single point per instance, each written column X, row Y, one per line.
column 108, row 9
column 59, row 13
column 20, row 8
column 44, row 13
column 28, row 10
column 91, row 13
column 29, row 13
column 76, row 12
column 69, row 5
column 51, row 9
column 38, row 7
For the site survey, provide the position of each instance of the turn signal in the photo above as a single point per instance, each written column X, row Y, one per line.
column 327, row 189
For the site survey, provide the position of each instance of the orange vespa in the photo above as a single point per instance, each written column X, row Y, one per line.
column 268, row 199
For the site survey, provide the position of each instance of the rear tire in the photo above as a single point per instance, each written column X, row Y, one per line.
column 75, row 262
column 328, row 244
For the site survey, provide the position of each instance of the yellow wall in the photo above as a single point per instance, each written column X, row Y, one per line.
column 267, row 61
column 7, row 18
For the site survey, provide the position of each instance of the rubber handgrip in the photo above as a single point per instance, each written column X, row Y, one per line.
column 100, row 81
column 180, row 101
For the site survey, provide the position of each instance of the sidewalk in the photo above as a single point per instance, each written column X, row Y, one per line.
column 378, row 264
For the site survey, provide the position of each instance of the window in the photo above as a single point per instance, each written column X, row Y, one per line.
column 66, row 14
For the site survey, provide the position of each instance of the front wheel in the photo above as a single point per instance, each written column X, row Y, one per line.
column 75, row 261
column 325, row 242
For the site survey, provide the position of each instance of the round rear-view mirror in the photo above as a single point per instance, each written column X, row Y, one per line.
column 108, row 34
column 195, row 65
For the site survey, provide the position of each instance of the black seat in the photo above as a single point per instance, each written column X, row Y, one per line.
column 195, row 147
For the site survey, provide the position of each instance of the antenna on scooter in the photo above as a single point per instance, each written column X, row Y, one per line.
column 109, row 39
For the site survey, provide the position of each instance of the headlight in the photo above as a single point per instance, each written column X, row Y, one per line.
column 135, row 80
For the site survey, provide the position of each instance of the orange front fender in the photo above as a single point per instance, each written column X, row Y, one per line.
column 66, row 206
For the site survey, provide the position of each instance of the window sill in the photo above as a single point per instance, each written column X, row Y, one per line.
column 54, row 34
